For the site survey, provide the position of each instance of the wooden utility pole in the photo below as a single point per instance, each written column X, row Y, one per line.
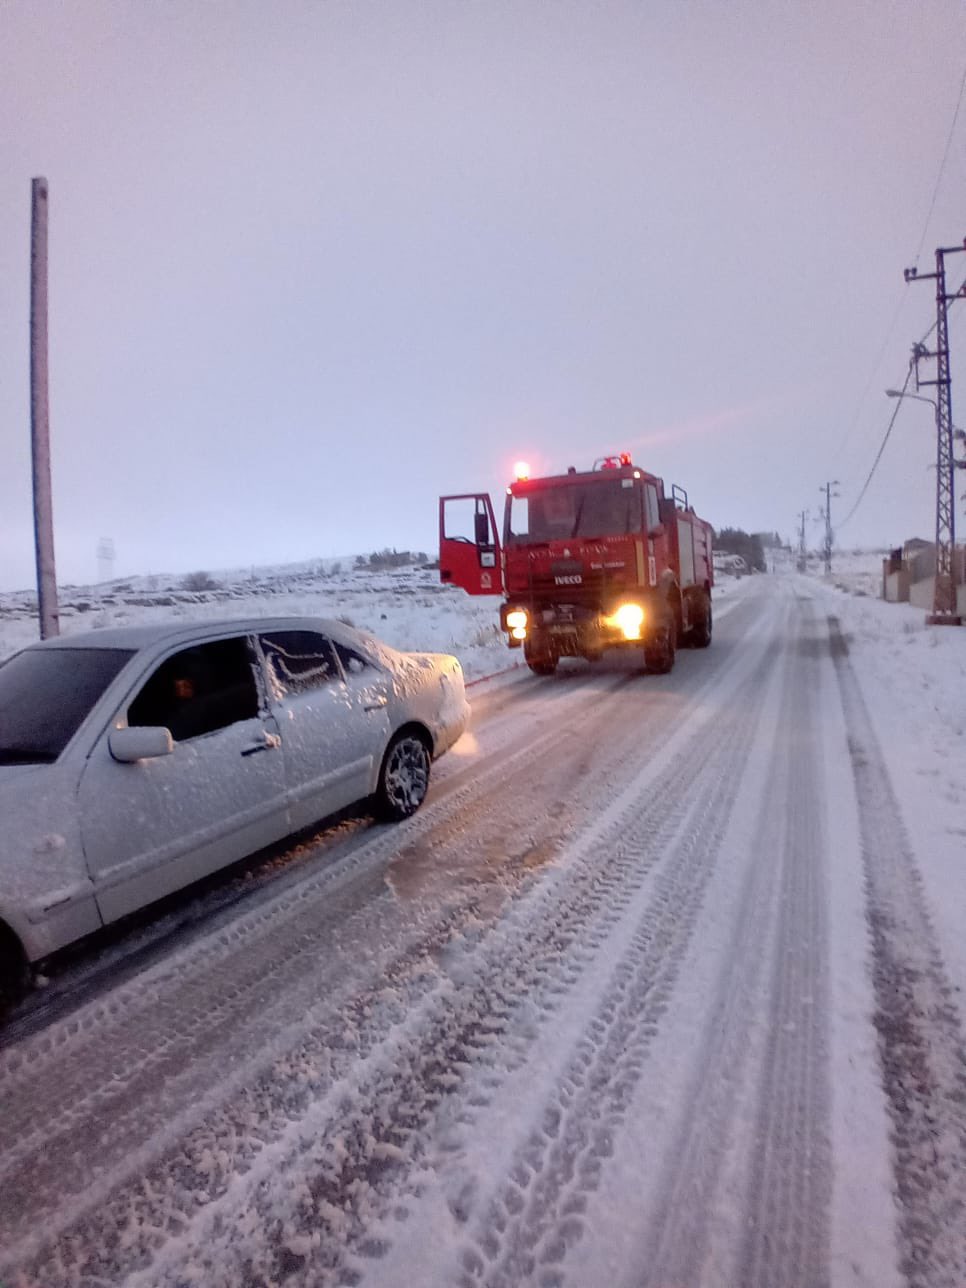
column 40, row 418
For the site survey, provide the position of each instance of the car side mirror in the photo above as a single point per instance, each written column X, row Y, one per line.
column 482, row 529
column 145, row 742
column 657, row 532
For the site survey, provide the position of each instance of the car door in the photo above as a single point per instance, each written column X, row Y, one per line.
column 154, row 826
column 332, row 709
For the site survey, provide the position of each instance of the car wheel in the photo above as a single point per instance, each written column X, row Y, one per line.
column 14, row 975
column 404, row 777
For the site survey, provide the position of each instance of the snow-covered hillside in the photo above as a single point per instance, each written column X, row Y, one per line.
column 406, row 607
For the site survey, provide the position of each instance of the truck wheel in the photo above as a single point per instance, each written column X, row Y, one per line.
column 540, row 658
column 701, row 630
column 659, row 653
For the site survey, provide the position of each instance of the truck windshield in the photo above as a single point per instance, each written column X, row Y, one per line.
column 565, row 511
column 45, row 693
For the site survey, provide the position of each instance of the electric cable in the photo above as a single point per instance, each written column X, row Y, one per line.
column 942, row 167
column 878, row 456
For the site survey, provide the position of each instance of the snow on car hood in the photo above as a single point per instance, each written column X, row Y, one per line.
column 412, row 671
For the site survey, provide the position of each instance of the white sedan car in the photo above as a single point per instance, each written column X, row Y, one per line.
column 134, row 761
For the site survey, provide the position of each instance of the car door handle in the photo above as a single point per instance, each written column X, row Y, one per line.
column 376, row 705
column 268, row 742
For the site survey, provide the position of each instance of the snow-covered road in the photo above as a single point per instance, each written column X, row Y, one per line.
column 650, row 993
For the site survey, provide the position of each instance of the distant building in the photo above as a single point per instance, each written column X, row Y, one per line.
column 909, row 574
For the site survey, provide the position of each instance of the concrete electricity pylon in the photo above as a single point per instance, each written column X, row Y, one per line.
column 827, row 515
column 802, row 552
column 944, row 608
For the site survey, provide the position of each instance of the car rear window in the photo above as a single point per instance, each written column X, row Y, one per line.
column 45, row 694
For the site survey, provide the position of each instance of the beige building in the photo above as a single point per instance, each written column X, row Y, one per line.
column 909, row 575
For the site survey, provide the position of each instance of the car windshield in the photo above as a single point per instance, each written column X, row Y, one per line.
column 570, row 510
column 45, row 693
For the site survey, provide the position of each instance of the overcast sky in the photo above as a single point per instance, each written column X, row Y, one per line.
column 313, row 264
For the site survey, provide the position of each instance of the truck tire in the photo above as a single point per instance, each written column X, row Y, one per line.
column 700, row 634
column 540, row 656
column 659, row 651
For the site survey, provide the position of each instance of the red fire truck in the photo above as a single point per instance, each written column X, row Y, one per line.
column 588, row 560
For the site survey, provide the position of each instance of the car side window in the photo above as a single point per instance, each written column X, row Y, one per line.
column 353, row 663
column 199, row 690
column 299, row 660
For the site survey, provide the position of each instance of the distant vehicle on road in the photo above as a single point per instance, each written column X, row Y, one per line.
column 134, row 761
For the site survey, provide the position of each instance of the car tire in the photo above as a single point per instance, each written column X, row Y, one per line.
column 403, row 777
column 14, row 974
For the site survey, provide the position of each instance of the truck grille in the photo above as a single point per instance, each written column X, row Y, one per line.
column 593, row 589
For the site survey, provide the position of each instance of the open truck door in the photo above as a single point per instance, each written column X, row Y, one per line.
column 469, row 547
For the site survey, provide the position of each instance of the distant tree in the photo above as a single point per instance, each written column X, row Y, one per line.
column 198, row 581
column 361, row 561
column 735, row 541
column 335, row 569
column 771, row 540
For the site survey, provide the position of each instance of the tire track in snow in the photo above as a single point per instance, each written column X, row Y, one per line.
column 536, row 1218
column 336, row 1157
column 787, row 1215
column 776, row 966
column 921, row 1042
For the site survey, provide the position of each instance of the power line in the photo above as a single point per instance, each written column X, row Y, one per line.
column 892, row 420
column 902, row 299
column 878, row 455
column 942, row 167
column 872, row 375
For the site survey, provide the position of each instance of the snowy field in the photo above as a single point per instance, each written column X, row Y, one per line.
column 664, row 986
column 407, row 607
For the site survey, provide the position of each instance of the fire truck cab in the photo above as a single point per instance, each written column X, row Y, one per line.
column 586, row 561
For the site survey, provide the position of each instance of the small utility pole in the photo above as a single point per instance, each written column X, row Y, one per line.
column 802, row 552
column 944, row 608
column 827, row 489
column 40, row 417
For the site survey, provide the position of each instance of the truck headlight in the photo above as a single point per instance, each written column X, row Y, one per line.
column 516, row 619
column 629, row 618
